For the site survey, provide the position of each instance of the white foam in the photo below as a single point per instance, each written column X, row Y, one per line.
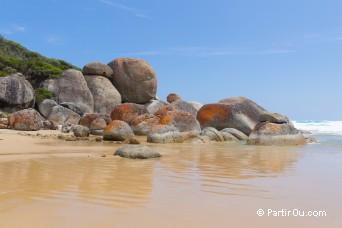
column 320, row 127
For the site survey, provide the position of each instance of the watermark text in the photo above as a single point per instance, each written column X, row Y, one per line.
column 291, row 213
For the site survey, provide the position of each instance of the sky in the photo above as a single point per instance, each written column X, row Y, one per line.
column 284, row 55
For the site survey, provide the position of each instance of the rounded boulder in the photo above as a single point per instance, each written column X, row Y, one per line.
column 136, row 152
column 177, row 105
column 237, row 112
column 173, row 97
column 266, row 133
column 118, row 131
column 154, row 105
column 128, row 112
column 105, row 95
column 174, row 126
column 80, row 131
column 97, row 68
column 45, row 107
column 135, row 80
column 142, row 124
column 25, row 120
column 72, row 88
column 16, row 93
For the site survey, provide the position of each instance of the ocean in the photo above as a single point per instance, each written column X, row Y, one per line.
column 326, row 132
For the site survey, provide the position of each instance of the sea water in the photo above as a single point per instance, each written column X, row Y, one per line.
column 326, row 132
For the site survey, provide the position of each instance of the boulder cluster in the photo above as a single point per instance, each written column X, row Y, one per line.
column 118, row 101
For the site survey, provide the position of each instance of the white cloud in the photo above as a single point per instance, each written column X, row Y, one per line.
column 137, row 12
column 12, row 29
column 19, row 28
column 55, row 40
column 212, row 51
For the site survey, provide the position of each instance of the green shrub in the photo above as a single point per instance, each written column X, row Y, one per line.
column 8, row 70
column 42, row 94
column 44, row 69
column 16, row 58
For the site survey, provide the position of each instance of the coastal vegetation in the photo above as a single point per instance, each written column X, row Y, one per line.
column 42, row 94
column 14, row 58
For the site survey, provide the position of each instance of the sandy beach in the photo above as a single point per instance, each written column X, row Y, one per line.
column 54, row 183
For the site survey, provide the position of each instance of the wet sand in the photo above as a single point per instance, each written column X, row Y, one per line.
column 49, row 183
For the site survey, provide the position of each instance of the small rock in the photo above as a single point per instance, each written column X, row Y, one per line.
column 173, row 97
column 81, row 131
column 98, row 139
column 47, row 125
column 82, row 139
column 61, row 137
column 136, row 152
column 311, row 140
column 66, row 128
column 132, row 141
column 70, row 138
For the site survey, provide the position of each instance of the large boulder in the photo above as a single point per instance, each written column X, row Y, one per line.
column 174, row 126
column 135, row 80
column 136, row 152
column 196, row 105
column 88, row 119
column 25, row 120
column 97, row 68
column 105, row 95
column 118, row 131
column 61, row 115
column 266, row 133
column 237, row 112
column 45, row 107
column 96, row 122
column 128, row 112
column 275, row 129
column 154, row 105
column 16, row 93
column 78, row 108
column 142, row 124
column 72, row 89
column 177, row 105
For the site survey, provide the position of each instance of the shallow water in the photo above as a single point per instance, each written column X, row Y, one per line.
column 213, row 185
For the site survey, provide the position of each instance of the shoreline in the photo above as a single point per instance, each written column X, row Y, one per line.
column 44, row 143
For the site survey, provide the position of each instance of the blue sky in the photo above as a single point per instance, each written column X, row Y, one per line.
column 285, row 55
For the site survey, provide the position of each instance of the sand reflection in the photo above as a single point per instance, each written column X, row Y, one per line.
column 107, row 181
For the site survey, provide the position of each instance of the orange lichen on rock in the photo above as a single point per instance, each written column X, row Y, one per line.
column 128, row 112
